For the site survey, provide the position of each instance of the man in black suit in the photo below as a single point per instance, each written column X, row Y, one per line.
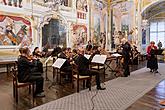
column 83, row 68
column 126, row 55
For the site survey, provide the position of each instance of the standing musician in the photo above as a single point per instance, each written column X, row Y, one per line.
column 126, row 54
column 27, row 73
column 152, row 62
column 135, row 54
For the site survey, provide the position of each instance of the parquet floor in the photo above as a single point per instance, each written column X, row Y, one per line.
column 148, row 102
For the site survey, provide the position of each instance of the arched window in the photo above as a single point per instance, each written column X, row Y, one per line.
column 157, row 31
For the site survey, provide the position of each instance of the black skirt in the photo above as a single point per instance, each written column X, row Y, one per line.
column 152, row 63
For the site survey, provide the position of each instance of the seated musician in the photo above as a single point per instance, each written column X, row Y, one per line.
column 36, row 53
column 66, row 67
column 89, row 46
column 26, row 73
column 56, row 51
column 83, row 68
column 36, row 59
column 152, row 62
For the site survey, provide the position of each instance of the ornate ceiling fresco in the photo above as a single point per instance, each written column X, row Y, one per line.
column 154, row 10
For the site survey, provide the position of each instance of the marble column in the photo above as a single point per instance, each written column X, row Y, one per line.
column 109, row 28
column 139, row 21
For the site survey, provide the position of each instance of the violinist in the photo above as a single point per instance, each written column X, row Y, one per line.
column 36, row 53
column 66, row 67
column 83, row 68
column 26, row 72
column 89, row 46
column 151, row 57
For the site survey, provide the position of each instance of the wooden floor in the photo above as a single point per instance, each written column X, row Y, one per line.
column 149, row 101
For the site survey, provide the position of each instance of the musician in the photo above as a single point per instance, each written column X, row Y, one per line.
column 66, row 67
column 56, row 51
column 135, row 54
column 36, row 53
column 126, row 55
column 74, row 54
column 83, row 68
column 26, row 73
column 89, row 46
column 151, row 57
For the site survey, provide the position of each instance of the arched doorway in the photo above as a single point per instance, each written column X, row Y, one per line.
column 54, row 33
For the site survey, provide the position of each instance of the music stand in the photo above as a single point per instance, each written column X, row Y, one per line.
column 56, row 66
column 46, row 69
column 157, row 52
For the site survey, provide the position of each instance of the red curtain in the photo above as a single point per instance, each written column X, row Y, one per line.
column 2, row 18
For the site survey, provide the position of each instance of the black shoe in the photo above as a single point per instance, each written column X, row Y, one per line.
column 151, row 70
column 40, row 94
column 100, row 88
column 156, row 71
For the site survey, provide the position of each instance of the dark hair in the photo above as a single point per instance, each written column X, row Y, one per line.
column 25, row 50
column 74, row 51
column 35, row 50
column 64, row 49
column 21, row 50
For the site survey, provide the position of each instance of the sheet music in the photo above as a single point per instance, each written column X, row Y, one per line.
column 116, row 55
column 59, row 62
column 87, row 56
column 47, row 59
column 99, row 59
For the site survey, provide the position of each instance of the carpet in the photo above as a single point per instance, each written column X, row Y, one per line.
column 120, row 93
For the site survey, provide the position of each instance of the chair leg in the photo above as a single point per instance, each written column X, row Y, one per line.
column 72, row 83
column 16, row 94
column 29, row 89
column 33, row 92
column 14, row 90
column 77, row 85
column 90, row 84
column 83, row 84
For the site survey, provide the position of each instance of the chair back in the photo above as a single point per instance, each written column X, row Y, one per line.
column 75, row 70
column 14, row 75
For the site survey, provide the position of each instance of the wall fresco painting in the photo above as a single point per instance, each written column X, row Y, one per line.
column 14, row 31
column 81, row 5
column 79, row 37
column 96, row 36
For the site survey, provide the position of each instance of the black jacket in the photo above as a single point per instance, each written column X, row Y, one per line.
column 24, row 69
column 83, row 64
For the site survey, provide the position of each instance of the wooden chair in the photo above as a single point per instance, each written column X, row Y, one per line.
column 98, row 67
column 17, row 85
column 76, row 76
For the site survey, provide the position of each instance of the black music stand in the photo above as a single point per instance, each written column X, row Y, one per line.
column 56, row 68
column 156, row 52
column 46, row 69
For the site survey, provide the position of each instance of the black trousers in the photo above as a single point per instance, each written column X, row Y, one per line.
column 126, row 66
column 92, row 73
column 39, row 81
